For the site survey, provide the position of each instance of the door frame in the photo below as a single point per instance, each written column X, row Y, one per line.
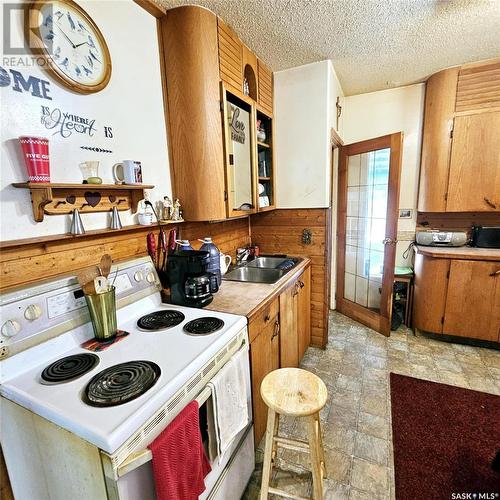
column 380, row 322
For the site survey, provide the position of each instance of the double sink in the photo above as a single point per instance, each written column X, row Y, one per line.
column 267, row 270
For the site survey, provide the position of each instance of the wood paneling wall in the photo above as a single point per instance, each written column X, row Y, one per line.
column 280, row 231
column 457, row 221
column 42, row 258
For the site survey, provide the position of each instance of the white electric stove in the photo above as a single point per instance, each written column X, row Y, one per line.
column 119, row 397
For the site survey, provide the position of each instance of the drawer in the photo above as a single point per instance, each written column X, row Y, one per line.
column 262, row 318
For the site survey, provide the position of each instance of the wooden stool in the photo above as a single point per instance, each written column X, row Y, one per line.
column 296, row 393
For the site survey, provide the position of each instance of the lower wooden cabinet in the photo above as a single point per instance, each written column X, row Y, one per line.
column 264, row 358
column 457, row 297
column 280, row 333
column 473, row 300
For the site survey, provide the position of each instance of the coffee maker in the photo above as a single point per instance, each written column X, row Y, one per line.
column 190, row 283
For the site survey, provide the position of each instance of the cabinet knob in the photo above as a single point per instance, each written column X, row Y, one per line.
column 301, row 283
column 267, row 318
column 495, row 273
column 489, row 203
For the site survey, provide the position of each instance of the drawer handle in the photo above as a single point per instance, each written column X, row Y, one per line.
column 267, row 318
column 490, row 203
column 296, row 292
column 276, row 329
column 495, row 273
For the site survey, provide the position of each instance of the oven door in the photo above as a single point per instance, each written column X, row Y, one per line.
column 136, row 482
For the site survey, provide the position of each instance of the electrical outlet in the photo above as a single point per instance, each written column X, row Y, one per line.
column 4, row 352
column 306, row 236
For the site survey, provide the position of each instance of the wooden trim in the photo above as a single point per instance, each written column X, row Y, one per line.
column 152, row 7
column 335, row 139
column 378, row 321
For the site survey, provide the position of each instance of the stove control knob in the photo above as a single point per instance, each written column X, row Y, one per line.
column 32, row 312
column 151, row 278
column 138, row 276
column 11, row 328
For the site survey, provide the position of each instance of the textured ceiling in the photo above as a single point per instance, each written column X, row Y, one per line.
column 374, row 44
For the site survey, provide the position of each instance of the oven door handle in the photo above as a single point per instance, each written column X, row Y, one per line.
column 138, row 458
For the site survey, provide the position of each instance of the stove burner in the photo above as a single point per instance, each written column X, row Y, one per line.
column 203, row 326
column 69, row 368
column 121, row 383
column 160, row 320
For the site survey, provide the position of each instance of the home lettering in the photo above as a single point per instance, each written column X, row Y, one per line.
column 36, row 86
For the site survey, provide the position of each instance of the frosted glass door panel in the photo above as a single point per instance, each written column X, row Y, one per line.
column 367, row 191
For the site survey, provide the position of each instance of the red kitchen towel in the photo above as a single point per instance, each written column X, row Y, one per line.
column 179, row 461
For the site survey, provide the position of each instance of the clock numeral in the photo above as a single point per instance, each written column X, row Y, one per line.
column 108, row 132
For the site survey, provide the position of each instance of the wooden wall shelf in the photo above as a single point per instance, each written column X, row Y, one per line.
column 57, row 199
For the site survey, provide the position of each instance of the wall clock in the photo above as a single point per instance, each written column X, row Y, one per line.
column 71, row 44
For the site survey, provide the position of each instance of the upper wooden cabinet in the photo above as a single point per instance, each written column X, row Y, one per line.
column 212, row 120
column 460, row 165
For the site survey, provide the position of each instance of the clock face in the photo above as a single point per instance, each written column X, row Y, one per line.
column 73, row 44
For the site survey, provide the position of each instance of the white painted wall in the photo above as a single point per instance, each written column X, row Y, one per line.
column 304, row 113
column 132, row 104
column 395, row 110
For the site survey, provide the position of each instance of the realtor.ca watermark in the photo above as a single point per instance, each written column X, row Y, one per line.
column 485, row 495
column 21, row 36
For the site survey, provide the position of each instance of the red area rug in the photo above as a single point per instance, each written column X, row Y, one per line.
column 445, row 440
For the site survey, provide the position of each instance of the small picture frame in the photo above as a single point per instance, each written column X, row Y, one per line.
column 405, row 213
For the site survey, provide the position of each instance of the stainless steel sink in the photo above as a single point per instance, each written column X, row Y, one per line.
column 255, row 275
column 267, row 262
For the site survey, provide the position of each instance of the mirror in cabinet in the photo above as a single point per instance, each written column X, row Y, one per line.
column 265, row 170
column 239, row 143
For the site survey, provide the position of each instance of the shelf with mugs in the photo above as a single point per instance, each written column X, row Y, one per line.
column 265, row 161
column 62, row 198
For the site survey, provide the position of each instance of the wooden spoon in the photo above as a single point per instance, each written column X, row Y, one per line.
column 105, row 265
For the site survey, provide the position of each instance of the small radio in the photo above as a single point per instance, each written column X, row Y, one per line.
column 442, row 238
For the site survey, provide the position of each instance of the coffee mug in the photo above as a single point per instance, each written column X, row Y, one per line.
column 131, row 172
column 225, row 262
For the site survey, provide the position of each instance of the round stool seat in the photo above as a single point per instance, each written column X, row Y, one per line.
column 294, row 392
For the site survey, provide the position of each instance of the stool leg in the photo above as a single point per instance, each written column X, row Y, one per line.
column 276, row 433
column 321, row 449
column 314, row 447
column 267, row 465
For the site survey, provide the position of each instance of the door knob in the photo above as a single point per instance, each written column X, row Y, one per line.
column 389, row 241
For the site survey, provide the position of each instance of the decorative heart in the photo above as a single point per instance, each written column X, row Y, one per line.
column 112, row 198
column 92, row 198
column 71, row 199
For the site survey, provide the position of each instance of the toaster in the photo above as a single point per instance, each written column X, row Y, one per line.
column 441, row 238
column 486, row 237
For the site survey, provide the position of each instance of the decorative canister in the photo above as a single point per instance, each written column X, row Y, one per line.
column 36, row 157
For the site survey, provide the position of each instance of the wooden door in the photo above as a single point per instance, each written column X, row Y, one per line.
column 474, row 181
column 289, row 339
column 473, row 300
column 264, row 356
column 368, row 200
column 304, row 312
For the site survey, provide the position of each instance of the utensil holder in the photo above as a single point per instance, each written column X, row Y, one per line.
column 102, row 309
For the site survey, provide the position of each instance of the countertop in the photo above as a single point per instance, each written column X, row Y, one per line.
column 464, row 253
column 247, row 298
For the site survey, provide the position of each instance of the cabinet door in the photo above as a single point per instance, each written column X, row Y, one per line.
column 239, row 145
column 473, row 300
column 429, row 294
column 474, row 181
column 289, row 341
column 264, row 357
column 440, row 95
column 304, row 312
